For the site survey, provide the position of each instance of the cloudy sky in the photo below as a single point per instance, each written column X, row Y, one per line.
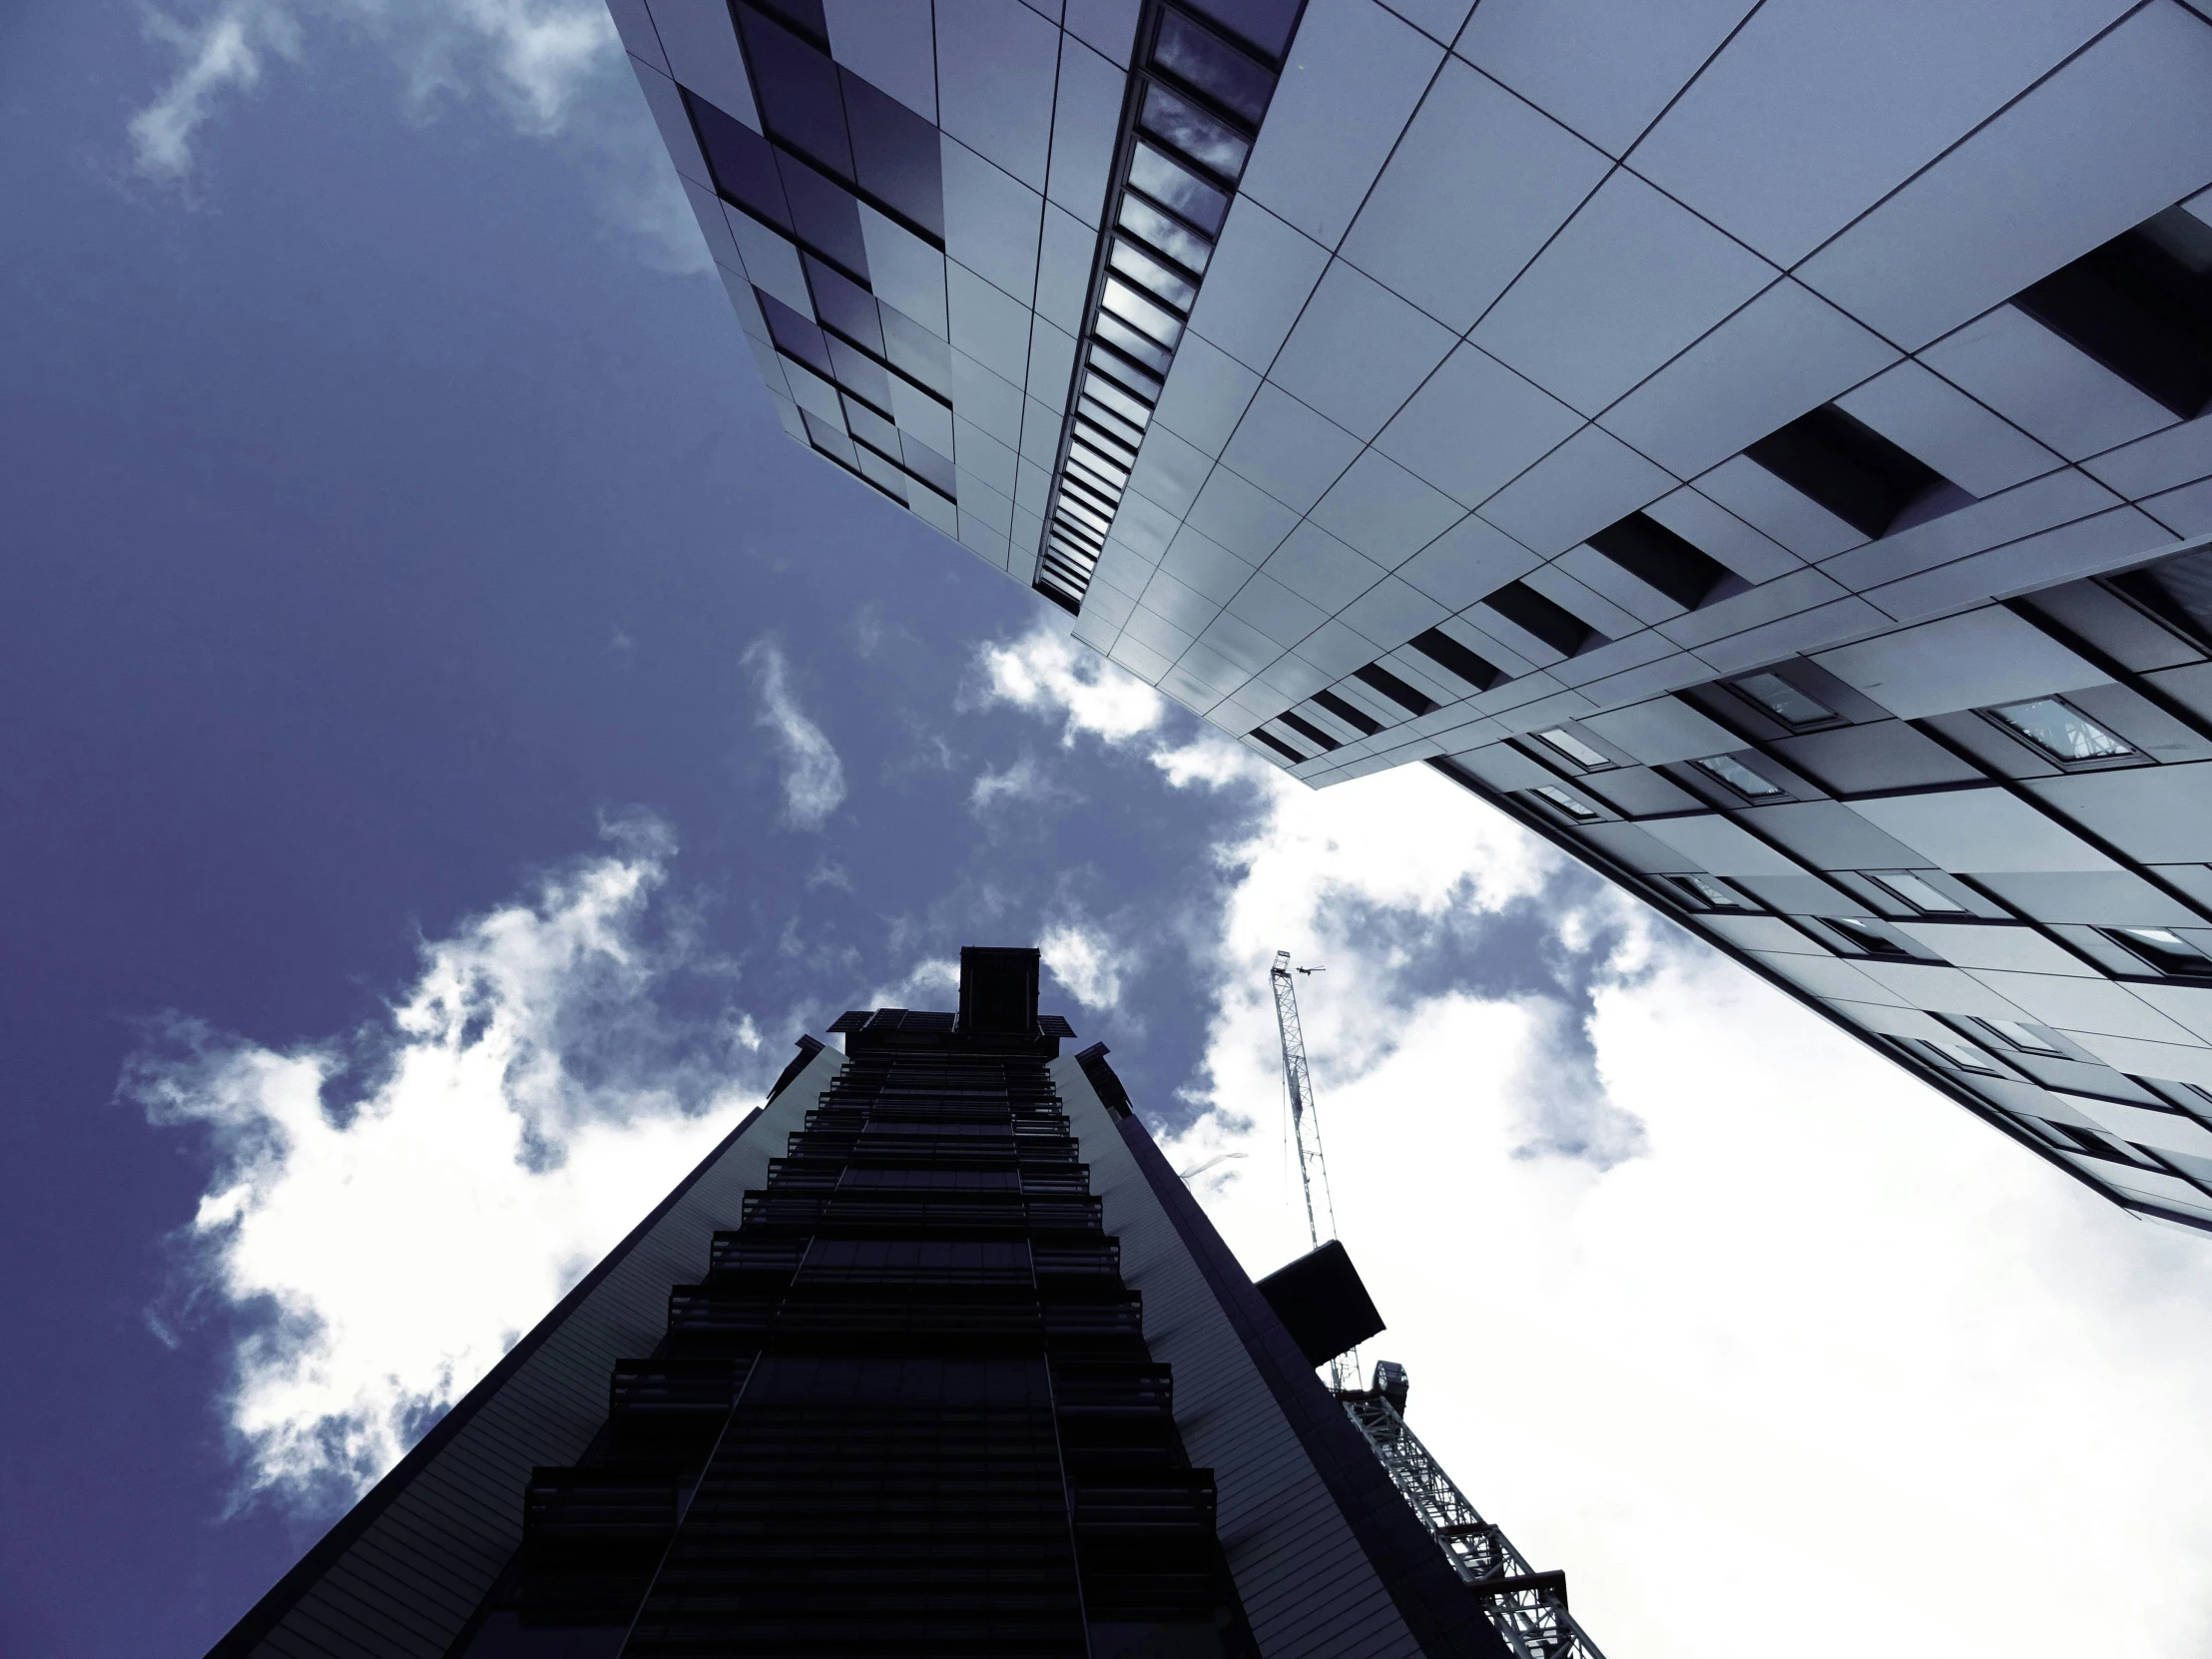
column 455, row 745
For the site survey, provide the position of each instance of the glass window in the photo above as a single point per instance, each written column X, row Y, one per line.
column 1204, row 59
column 1176, row 188
column 1918, row 893
column 1171, row 116
column 1143, row 382
column 1096, row 385
column 1962, row 1054
column 2060, row 730
column 2162, row 948
column 1580, row 810
column 1739, row 776
column 1784, row 701
column 1130, row 342
column 1574, row 747
column 1148, row 272
column 1709, row 893
column 1864, row 933
column 1177, row 241
column 1142, row 313
column 2025, row 1037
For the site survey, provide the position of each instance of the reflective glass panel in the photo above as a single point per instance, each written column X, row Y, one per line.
column 2060, row 730
column 1143, row 348
column 1738, row 776
column 1784, row 701
column 1171, row 116
column 1140, row 311
column 2023, row 1036
column 1126, row 373
column 1963, row 1056
column 1868, row 935
column 1103, row 391
column 2163, row 949
column 1201, row 58
column 1177, row 241
column 1174, row 186
column 1139, row 266
column 1580, row 810
column 1918, row 893
column 1574, row 747
column 1709, row 892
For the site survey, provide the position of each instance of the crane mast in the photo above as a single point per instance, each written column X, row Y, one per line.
column 1528, row 1609
column 1305, row 1123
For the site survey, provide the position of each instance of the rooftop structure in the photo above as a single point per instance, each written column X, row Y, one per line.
column 1760, row 447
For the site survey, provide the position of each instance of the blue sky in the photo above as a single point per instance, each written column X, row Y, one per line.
column 455, row 743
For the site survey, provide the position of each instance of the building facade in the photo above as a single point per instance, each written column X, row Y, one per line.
column 1760, row 447
column 933, row 1354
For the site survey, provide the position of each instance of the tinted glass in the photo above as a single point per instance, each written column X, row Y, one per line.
column 1099, row 462
column 827, row 439
column 845, row 306
column 1196, row 55
column 798, row 87
column 1868, row 935
column 2021, row 1036
column 870, row 428
column 895, row 154
column 914, row 351
column 742, row 162
column 1103, row 391
column 1574, row 747
column 1739, row 776
column 1577, row 810
column 1918, row 893
column 823, row 214
column 1265, row 23
column 1141, row 312
column 1962, row 1054
column 929, row 464
column 1105, row 442
column 1170, row 237
column 861, row 373
column 794, row 334
column 1711, row 893
column 1784, row 701
column 2163, row 949
column 2060, row 730
column 1145, row 350
column 1210, row 142
column 1172, row 185
column 1139, row 266
column 1128, row 375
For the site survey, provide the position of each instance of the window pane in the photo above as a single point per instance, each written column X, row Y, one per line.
column 1128, row 373
column 1709, row 892
column 1918, row 893
column 1963, row 1054
column 1866, row 934
column 1135, row 309
column 1739, row 776
column 1143, row 348
column 2021, row 1036
column 1212, row 65
column 1178, row 242
column 1209, row 142
column 1784, row 701
column 1175, row 187
column 1581, row 811
column 1140, row 267
column 2163, row 949
column 1574, row 747
column 2060, row 730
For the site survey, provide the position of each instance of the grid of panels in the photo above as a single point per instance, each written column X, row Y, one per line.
column 1982, row 846
column 1203, row 80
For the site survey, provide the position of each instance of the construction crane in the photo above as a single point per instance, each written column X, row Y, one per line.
column 1528, row 1609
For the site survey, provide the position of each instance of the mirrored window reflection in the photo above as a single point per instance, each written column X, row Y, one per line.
column 1710, row 892
column 1739, row 776
column 1957, row 1052
column 1157, row 277
column 1131, row 343
column 1918, row 893
column 1207, row 139
column 2024, row 1037
column 1784, row 701
column 1866, row 934
column 1174, row 186
column 2060, row 730
column 1142, row 313
column 1574, row 747
column 1201, row 59
column 1141, row 218
column 1580, row 810
column 2163, row 950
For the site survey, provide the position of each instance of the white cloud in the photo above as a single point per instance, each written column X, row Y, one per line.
column 813, row 777
column 1046, row 672
column 553, row 67
column 1025, row 780
column 1762, row 1341
column 1084, row 959
column 390, row 1213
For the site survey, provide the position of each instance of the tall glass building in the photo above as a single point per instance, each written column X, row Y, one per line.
column 1760, row 447
column 934, row 1354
